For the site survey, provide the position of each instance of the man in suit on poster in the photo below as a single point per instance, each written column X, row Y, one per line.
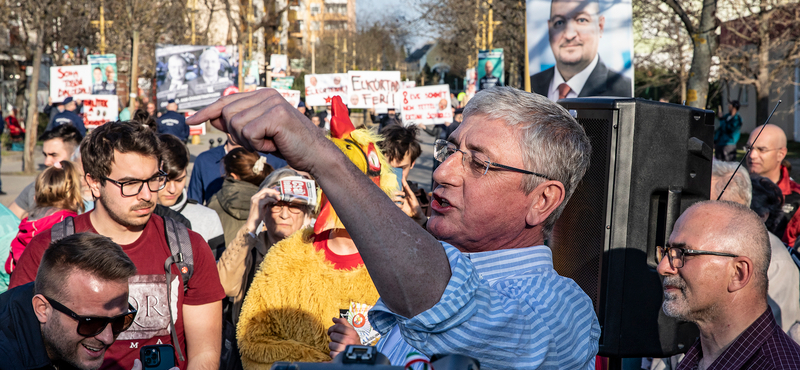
column 575, row 28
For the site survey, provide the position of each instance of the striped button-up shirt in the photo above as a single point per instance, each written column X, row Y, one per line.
column 509, row 309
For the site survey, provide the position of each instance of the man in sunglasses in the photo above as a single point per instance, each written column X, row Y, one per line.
column 122, row 162
column 73, row 312
column 488, row 290
column 715, row 275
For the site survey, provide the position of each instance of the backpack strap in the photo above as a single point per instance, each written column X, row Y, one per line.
column 177, row 236
column 62, row 229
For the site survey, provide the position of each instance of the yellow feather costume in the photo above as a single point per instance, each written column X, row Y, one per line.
column 297, row 291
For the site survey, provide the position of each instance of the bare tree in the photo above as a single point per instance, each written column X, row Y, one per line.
column 760, row 48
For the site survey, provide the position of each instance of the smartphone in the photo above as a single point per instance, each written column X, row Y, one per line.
column 399, row 173
column 157, row 357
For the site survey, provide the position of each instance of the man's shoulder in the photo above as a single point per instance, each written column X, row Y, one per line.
column 540, row 82
column 781, row 351
column 211, row 155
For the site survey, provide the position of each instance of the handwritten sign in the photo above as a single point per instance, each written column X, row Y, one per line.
column 292, row 96
column 427, row 105
column 373, row 89
column 70, row 81
column 99, row 109
column 321, row 88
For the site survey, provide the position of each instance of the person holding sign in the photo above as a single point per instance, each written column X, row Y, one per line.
column 575, row 28
column 68, row 117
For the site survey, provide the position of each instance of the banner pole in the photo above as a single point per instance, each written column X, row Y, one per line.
column 527, row 76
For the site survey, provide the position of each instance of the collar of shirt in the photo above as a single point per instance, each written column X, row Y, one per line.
column 502, row 263
column 575, row 83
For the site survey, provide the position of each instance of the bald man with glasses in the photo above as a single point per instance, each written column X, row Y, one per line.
column 714, row 272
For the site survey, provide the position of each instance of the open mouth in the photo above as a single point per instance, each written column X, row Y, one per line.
column 442, row 202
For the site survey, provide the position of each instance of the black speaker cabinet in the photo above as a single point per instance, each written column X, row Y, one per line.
column 650, row 161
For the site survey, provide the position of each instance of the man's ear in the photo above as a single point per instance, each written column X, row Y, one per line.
column 741, row 273
column 94, row 185
column 547, row 197
column 40, row 308
column 601, row 23
column 782, row 153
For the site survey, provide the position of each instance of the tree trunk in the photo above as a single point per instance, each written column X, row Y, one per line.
column 134, row 71
column 705, row 43
column 764, row 84
column 32, row 125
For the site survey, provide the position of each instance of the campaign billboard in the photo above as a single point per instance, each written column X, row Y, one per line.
column 320, row 88
column 279, row 65
column 373, row 89
column 490, row 69
column 104, row 74
column 70, row 81
column 194, row 76
column 427, row 105
column 250, row 73
column 580, row 48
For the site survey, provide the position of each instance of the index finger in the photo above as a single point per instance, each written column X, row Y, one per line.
column 214, row 111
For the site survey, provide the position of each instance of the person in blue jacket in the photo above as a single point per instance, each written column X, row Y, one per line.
column 173, row 122
column 727, row 135
column 68, row 116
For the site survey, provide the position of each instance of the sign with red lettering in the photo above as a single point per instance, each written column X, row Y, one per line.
column 70, row 81
column 99, row 109
column 373, row 89
column 292, row 96
column 427, row 105
column 321, row 88
column 200, row 129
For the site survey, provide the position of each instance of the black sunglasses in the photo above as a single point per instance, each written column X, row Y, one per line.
column 89, row 326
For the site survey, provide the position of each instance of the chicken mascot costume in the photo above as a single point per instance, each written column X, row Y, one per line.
column 301, row 284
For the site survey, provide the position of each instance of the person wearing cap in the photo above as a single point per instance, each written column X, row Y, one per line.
column 68, row 117
column 173, row 122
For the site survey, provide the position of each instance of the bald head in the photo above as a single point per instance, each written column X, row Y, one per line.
column 767, row 152
column 733, row 228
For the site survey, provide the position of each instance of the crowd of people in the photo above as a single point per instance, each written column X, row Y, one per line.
column 234, row 269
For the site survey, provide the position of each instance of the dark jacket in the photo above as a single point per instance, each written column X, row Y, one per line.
column 21, row 343
column 602, row 82
column 173, row 123
column 232, row 204
column 68, row 117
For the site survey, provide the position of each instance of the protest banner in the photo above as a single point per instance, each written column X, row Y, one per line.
column 427, row 105
column 321, row 88
column 194, row 76
column 278, row 64
column 99, row 109
column 195, row 129
column 605, row 29
column 70, row 81
column 285, row 83
column 490, row 69
column 373, row 89
column 292, row 96
column 104, row 74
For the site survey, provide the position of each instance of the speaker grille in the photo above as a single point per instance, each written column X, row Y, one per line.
column 578, row 255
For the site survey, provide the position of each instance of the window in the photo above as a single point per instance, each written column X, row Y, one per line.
column 314, row 9
column 336, row 9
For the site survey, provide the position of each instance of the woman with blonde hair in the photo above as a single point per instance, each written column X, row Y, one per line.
column 57, row 196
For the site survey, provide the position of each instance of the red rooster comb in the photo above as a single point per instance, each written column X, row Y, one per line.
column 340, row 120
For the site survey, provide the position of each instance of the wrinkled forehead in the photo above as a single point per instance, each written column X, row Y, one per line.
column 570, row 8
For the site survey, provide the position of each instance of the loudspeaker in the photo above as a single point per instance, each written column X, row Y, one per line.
column 650, row 161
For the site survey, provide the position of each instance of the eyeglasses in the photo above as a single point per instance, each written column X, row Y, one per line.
column 759, row 149
column 474, row 162
column 293, row 208
column 134, row 187
column 89, row 326
column 677, row 254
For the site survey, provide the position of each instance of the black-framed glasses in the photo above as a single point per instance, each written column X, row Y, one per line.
column 292, row 208
column 474, row 162
column 134, row 187
column 89, row 326
column 676, row 254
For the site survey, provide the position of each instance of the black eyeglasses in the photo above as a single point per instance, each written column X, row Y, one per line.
column 676, row 255
column 134, row 187
column 475, row 162
column 89, row 326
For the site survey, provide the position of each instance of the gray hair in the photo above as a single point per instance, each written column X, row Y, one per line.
column 552, row 142
column 740, row 190
column 274, row 179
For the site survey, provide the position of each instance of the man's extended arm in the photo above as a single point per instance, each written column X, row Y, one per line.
column 203, row 329
column 407, row 265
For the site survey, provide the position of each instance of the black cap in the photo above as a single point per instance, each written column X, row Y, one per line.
column 67, row 100
column 170, row 101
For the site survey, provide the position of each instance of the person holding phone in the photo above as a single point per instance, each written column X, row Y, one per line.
column 401, row 148
column 74, row 310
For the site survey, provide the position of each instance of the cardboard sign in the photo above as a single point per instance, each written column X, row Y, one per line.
column 196, row 129
column 70, row 81
column 373, row 89
column 99, row 109
column 320, row 89
column 292, row 96
column 295, row 189
column 427, row 105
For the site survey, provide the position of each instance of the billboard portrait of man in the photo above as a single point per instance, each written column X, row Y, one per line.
column 575, row 29
column 209, row 80
column 490, row 68
column 176, row 68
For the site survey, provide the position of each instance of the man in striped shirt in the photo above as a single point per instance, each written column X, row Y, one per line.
column 488, row 290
